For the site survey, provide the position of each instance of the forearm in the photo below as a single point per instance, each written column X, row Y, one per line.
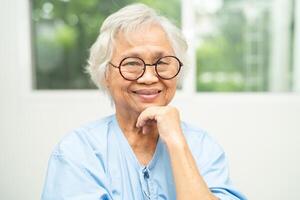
column 189, row 183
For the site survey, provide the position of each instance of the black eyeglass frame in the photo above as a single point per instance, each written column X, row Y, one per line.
column 145, row 65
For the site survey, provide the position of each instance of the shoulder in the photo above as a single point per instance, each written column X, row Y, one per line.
column 197, row 134
column 89, row 138
column 201, row 143
column 77, row 164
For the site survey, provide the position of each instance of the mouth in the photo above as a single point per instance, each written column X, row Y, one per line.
column 147, row 95
column 147, row 91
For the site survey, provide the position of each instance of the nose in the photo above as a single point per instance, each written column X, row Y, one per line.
column 149, row 76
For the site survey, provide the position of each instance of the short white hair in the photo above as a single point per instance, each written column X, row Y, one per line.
column 127, row 20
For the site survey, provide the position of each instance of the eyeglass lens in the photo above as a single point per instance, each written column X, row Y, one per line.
column 133, row 68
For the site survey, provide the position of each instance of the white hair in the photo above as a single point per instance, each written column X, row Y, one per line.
column 127, row 20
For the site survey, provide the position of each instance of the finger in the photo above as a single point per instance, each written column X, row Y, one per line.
column 148, row 114
column 146, row 129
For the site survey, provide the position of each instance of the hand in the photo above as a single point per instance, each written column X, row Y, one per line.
column 167, row 121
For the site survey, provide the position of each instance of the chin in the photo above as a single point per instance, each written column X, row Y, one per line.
column 143, row 106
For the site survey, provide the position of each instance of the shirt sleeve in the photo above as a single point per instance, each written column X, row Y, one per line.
column 216, row 172
column 68, row 179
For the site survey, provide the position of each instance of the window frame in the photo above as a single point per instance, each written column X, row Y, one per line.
column 296, row 61
column 26, row 63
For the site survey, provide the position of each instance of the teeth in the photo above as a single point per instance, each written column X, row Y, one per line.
column 147, row 92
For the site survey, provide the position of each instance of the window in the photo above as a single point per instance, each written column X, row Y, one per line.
column 63, row 31
column 235, row 45
column 237, row 42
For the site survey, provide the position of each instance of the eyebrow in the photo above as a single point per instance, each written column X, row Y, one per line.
column 155, row 55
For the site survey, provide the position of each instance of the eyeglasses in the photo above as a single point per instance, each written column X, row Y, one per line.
column 133, row 68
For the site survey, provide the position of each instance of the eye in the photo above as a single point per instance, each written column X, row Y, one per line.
column 161, row 62
column 132, row 63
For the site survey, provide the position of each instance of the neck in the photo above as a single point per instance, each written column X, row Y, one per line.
column 137, row 140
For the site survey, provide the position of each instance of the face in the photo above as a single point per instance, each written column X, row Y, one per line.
column 148, row 90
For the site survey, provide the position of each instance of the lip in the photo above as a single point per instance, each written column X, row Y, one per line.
column 147, row 95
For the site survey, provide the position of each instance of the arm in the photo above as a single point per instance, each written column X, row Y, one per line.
column 189, row 183
column 70, row 177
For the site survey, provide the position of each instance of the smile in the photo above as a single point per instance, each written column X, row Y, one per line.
column 147, row 94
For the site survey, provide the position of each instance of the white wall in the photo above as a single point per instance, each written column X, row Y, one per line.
column 259, row 132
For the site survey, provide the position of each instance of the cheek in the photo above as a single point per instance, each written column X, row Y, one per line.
column 172, row 84
column 114, row 84
column 119, row 90
column 172, row 93
column 171, row 87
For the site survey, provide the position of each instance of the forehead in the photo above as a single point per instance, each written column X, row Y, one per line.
column 143, row 41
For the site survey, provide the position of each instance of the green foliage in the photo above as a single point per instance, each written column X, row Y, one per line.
column 169, row 8
column 232, row 50
column 66, row 36
column 222, row 52
column 64, row 30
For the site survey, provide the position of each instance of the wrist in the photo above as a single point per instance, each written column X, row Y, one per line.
column 176, row 143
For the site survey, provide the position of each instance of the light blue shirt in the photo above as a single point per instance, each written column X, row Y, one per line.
column 95, row 162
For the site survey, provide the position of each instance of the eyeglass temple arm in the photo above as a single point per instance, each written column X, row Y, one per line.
column 113, row 65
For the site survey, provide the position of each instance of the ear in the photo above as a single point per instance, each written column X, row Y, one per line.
column 105, row 80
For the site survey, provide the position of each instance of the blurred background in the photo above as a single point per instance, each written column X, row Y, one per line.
column 234, row 41
column 242, row 85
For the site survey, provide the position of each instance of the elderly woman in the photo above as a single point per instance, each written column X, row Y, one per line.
column 143, row 151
